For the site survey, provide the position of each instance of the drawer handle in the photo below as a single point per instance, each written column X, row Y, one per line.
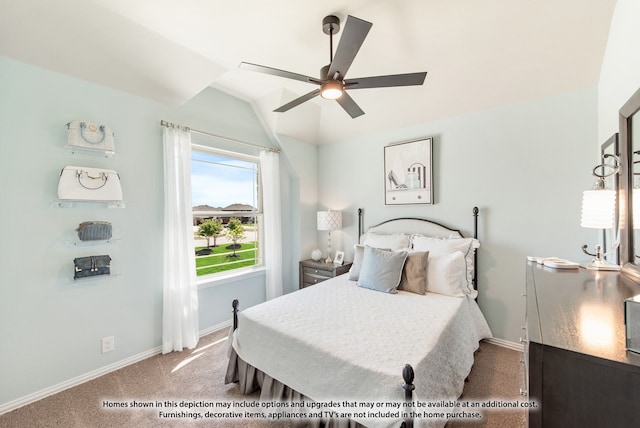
column 523, row 340
column 524, row 327
column 524, row 294
column 523, row 391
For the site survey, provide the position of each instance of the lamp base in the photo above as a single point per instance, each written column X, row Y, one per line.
column 599, row 264
column 328, row 260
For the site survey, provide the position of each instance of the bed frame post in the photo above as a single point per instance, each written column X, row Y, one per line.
column 360, row 224
column 234, row 305
column 408, row 386
column 475, row 253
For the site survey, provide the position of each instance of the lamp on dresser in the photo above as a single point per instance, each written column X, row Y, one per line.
column 329, row 220
column 598, row 212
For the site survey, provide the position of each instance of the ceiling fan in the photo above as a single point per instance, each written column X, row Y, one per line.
column 332, row 82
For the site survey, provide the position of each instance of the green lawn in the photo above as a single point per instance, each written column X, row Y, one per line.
column 219, row 262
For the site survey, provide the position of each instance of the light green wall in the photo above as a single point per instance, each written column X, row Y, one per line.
column 51, row 327
column 620, row 73
column 525, row 166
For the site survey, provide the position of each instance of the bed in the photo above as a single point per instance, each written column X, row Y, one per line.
column 357, row 340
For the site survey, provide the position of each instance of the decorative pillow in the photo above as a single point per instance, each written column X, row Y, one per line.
column 414, row 274
column 358, row 253
column 392, row 241
column 448, row 246
column 446, row 274
column 381, row 270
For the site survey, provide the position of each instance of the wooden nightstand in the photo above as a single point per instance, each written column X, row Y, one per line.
column 314, row 272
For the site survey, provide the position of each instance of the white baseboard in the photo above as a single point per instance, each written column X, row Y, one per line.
column 213, row 329
column 39, row 395
column 505, row 344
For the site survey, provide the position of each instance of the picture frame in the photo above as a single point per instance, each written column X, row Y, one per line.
column 339, row 260
column 408, row 172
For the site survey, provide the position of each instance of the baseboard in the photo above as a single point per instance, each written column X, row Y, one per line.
column 505, row 344
column 39, row 395
column 213, row 329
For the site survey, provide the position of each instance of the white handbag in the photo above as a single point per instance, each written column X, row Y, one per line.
column 82, row 183
column 90, row 135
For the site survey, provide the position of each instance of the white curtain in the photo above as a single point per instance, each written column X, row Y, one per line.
column 272, row 248
column 180, row 302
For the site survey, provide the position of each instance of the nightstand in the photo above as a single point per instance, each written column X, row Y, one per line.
column 312, row 272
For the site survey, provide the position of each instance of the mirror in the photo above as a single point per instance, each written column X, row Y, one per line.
column 630, row 179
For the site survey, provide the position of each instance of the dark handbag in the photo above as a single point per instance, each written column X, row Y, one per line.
column 94, row 231
column 92, row 266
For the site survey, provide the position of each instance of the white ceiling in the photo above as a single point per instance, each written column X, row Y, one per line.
column 479, row 54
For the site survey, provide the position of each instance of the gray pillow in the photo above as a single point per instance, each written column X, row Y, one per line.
column 414, row 274
column 381, row 270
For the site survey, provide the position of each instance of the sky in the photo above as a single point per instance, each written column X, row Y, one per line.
column 219, row 181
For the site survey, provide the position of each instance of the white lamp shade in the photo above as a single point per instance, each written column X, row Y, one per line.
column 598, row 209
column 329, row 220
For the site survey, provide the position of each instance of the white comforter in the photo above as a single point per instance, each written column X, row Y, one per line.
column 337, row 341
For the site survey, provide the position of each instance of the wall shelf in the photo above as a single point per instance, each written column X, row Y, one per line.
column 72, row 280
column 59, row 203
column 79, row 243
column 90, row 151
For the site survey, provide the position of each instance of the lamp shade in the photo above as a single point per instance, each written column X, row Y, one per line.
column 329, row 220
column 598, row 209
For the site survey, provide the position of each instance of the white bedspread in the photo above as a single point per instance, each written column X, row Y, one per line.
column 337, row 341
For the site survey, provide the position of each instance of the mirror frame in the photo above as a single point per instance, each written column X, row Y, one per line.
column 627, row 252
column 612, row 147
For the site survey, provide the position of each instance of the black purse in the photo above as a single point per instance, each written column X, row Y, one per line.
column 94, row 231
column 92, row 266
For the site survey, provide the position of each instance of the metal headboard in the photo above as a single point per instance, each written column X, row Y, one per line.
column 441, row 231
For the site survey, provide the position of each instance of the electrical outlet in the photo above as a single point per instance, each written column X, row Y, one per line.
column 108, row 344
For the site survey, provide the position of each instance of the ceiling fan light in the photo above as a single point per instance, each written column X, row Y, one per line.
column 331, row 90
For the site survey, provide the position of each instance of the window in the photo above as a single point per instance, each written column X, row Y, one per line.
column 227, row 212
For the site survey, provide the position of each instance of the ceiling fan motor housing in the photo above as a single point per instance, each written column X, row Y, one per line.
column 331, row 25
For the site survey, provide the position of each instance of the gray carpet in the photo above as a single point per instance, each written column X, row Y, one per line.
column 197, row 375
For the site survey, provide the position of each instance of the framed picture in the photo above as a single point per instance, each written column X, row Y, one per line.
column 408, row 173
column 339, row 258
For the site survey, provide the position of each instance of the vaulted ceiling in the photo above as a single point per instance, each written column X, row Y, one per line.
column 479, row 54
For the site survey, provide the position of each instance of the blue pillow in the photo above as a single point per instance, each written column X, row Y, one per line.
column 381, row 270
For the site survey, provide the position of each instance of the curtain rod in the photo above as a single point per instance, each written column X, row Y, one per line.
column 208, row 134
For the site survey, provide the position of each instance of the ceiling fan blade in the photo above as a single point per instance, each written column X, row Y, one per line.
column 409, row 79
column 350, row 106
column 280, row 73
column 353, row 35
column 297, row 101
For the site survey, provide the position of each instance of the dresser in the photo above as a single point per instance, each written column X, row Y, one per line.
column 576, row 366
column 312, row 272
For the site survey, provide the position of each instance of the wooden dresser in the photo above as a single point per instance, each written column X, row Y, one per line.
column 314, row 272
column 577, row 367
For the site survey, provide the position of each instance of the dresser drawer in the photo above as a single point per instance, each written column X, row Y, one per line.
column 308, row 279
column 312, row 272
column 320, row 273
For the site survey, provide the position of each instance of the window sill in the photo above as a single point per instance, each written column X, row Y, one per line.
column 227, row 277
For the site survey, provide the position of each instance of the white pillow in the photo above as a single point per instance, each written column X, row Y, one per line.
column 391, row 241
column 445, row 274
column 358, row 253
column 447, row 246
